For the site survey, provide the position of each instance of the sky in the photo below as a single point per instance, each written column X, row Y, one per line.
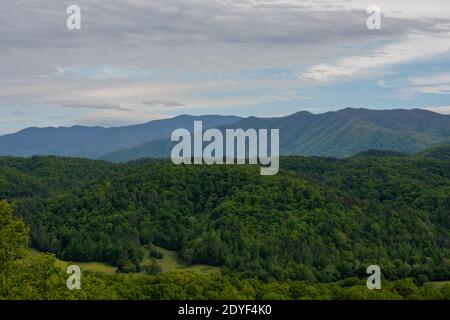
column 134, row 61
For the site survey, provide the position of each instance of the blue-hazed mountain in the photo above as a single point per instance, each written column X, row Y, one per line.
column 92, row 142
column 335, row 134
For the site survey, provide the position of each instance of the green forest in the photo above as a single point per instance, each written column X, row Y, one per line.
column 308, row 233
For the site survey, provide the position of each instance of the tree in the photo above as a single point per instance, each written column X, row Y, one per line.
column 153, row 268
column 13, row 237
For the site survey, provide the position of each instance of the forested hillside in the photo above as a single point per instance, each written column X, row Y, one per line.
column 319, row 220
column 26, row 276
column 338, row 134
column 92, row 142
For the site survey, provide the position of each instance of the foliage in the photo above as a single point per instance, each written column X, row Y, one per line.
column 321, row 220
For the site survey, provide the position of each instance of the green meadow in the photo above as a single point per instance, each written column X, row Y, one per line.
column 169, row 262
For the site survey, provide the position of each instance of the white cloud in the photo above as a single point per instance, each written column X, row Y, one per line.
column 407, row 9
column 433, row 79
column 442, row 109
column 434, row 83
column 194, row 51
column 76, row 105
column 441, row 89
column 100, row 72
column 164, row 103
column 415, row 47
column 383, row 84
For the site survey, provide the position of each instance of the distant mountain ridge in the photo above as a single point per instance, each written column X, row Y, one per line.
column 93, row 142
column 334, row 134
column 337, row 134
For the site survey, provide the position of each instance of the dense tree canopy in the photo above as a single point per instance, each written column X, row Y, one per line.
column 25, row 276
column 319, row 220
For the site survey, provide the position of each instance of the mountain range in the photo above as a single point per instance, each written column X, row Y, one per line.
column 93, row 142
column 334, row 134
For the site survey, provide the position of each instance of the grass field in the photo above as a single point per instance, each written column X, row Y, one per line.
column 169, row 262
column 440, row 284
column 84, row 266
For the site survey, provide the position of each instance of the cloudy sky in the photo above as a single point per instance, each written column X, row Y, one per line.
column 135, row 60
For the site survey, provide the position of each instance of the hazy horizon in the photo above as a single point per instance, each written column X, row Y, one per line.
column 214, row 114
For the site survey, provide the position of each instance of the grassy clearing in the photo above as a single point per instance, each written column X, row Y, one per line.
column 171, row 262
column 439, row 284
column 84, row 266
